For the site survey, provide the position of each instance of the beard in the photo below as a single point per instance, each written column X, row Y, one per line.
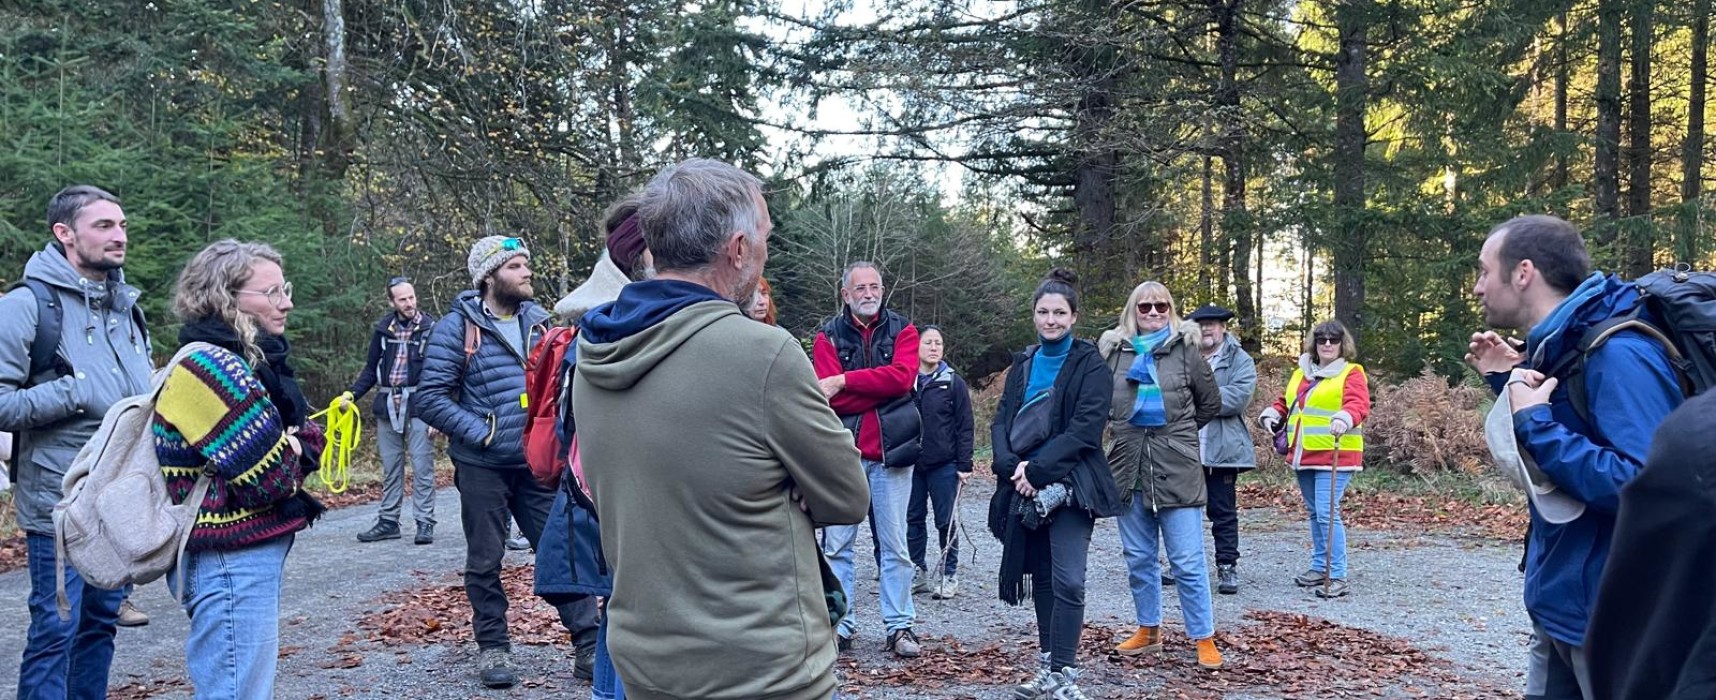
column 510, row 293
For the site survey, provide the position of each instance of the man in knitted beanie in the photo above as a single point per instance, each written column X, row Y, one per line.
column 473, row 391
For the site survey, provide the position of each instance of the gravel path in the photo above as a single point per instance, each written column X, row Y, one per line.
column 1457, row 598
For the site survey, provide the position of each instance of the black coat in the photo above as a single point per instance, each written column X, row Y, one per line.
column 1653, row 632
column 1083, row 393
column 944, row 401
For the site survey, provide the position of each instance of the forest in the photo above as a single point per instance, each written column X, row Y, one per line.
column 1290, row 160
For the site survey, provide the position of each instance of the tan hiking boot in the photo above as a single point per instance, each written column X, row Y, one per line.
column 1145, row 639
column 1208, row 655
column 130, row 616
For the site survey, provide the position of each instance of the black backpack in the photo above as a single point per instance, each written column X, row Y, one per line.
column 1684, row 303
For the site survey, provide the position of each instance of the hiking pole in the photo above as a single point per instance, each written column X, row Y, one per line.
column 1329, row 541
column 952, row 528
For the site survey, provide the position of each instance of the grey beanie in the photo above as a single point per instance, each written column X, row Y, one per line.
column 492, row 252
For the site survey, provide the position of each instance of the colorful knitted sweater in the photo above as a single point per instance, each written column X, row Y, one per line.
column 214, row 415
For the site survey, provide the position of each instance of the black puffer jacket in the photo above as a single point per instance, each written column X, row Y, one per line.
column 945, row 403
column 1082, row 393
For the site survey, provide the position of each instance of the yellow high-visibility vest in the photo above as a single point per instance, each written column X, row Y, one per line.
column 1308, row 425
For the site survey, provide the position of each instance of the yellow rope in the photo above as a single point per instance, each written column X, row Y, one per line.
column 345, row 430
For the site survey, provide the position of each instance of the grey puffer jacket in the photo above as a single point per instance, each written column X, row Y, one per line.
column 54, row 416
column 1225, row 441
column 1161, row 464
column 476, row 401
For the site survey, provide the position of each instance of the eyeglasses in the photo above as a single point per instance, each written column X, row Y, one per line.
column 396, row 281
column 1160, row 307
column 1328, row 340
column 276, row 295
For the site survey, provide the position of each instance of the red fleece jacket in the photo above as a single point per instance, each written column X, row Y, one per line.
column 869, row 389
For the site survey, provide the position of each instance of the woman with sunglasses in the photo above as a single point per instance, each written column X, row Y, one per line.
column 1164, row 392
column 1322, row 413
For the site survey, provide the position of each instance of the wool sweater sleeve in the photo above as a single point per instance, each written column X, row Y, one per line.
column 214, row 402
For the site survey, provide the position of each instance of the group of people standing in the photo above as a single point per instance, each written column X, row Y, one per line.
column 705, row 546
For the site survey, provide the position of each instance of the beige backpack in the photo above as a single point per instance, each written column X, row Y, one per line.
column 117, row 525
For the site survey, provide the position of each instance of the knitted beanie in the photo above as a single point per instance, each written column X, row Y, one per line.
column 492, row 252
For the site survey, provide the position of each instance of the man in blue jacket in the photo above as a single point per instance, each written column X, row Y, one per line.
column 472, row 390
column 1534, row 275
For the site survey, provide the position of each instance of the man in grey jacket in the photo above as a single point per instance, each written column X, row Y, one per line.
column 102, row 356
column 1225, row 442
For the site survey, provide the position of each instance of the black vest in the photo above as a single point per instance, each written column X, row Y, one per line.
column 902, row 427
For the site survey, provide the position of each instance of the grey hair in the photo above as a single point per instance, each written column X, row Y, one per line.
column 846, row 275
column 688, row 210
column 208, row 286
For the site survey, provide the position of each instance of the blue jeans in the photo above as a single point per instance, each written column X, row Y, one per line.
column 890, row 489
column 1182, row 531
column 937, row 486
column 233, row 601
column 605, row 680
column 70, row 658
column 1314, row 486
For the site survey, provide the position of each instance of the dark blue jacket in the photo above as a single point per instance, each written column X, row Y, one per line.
column 477, row 401
column 1630, row 388
column 378, row 366
column 944, row 401
column 569, row 559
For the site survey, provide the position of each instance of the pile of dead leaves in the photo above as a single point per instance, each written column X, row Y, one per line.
column 143, row 689
column 1274, row 654
column 12, row 553
column 440, row 613
column 1381, row 510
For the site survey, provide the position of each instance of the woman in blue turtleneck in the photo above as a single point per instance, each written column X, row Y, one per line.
column 1052, row 481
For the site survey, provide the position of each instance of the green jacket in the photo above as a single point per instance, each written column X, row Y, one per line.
column 1161, row 464
column 690, row 431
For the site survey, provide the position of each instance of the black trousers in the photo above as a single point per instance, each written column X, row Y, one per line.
column 937, row 486
column 1223, row 511
column 1057, row 584
column 486, row 496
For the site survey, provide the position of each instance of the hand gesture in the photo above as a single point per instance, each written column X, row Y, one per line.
column 831, row 385
column 1021, row 484
column 1527, row 388
column 1490, row 353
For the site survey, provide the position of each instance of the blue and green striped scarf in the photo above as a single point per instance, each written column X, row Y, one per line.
column 1148, row 410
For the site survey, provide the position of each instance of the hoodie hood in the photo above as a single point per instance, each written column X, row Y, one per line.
column 1599, row 298
column 604, row 285
column 621, row 342
column 51, row 267
column 943, row 372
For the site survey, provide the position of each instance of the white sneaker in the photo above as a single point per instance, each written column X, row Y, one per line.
column 1066, row 685
column 947, row 588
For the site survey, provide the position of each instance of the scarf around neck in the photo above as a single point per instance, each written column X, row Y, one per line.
column 1148, row 408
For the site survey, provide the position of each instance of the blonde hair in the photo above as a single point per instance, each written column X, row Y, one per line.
column 1349, row 349
column 209, row 283
column 1129, row 313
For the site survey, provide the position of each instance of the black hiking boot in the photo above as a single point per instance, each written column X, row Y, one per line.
column 383, row 530
column 1227, row 579
column 425, row 534
column 496, row 668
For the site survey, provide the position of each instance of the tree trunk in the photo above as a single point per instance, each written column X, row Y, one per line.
column 1098, row 160
column 1606, row 170
column 1692, row 149
column 1558, row 176
column 337, row 146
column 1206, row 232
column 1235, row 218
column 1639, row 241
column 1351, row 96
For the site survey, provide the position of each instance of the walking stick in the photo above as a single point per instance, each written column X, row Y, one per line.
column 1329, row 541
column 953, row 525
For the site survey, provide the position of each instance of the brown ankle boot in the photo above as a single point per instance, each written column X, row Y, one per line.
column 1208, row 655
column 1145, row 639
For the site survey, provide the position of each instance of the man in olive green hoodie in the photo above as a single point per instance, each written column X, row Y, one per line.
column 711, row 457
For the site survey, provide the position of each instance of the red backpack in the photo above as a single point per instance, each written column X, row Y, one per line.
column 544, row 385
